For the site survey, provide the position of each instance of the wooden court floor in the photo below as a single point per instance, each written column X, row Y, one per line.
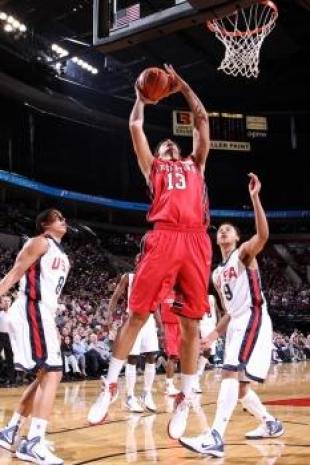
column 142, row 439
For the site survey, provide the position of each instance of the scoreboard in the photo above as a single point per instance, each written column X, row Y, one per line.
column 228, row 131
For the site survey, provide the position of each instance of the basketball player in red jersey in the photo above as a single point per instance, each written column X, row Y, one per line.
column 42, row 268
column 175, row 254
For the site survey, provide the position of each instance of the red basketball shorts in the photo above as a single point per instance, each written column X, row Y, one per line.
column 172, row 339
column 173, row 258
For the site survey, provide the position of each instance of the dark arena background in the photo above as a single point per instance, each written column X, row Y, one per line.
column 67, row 74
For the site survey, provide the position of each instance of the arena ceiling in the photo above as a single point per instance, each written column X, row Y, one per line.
column 283, row 84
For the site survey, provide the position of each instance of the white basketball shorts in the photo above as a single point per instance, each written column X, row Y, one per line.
column 248, row 345
column 34, row 336
column 147, row 340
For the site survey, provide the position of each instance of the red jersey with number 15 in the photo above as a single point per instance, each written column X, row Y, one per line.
column 179, row 194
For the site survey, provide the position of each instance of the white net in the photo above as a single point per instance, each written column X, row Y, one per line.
column 243, row 34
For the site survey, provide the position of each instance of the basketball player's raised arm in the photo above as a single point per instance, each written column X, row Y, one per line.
column 248, row 250
column 29, row 254
column 201, row 134
column 118, row 293
column 139, row 140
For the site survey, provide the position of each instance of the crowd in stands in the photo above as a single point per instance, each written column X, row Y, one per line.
column 278, row 290
column 97, row 261
column 290, row 348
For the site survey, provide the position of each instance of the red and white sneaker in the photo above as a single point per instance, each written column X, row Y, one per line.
column 177, row 423
column 99, row 410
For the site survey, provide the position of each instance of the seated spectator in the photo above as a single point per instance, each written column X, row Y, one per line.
column 68, row 357
column 8, row 372
column 79, row 350
column 97, row 356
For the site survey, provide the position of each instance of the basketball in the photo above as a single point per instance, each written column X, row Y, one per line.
column 154, row 84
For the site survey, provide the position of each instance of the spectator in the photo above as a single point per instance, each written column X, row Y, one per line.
column 97, row 356
column 79, row 350
column 5, row 344
column 68, row 357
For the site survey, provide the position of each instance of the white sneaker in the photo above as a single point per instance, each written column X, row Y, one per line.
column 133, row 405
column 9, row 438
column 148, row 402
column 270, row 429
column 178, row 421
column 35, row 450
column 171, row 390
column 207, row 444
column 98, row 411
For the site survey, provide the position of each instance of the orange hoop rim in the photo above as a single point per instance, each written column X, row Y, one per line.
column 214, row 26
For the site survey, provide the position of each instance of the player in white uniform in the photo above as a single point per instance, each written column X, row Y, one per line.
column 206, row 325
column 146, row 343
column 248, row 332
column 42, row 268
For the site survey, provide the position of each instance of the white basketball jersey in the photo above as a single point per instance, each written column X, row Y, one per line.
column 130, row 281
column 238, row 286
column 44, row 280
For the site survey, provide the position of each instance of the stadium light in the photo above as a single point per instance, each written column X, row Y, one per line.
column 16, row 24
column 8, row 27
column 62, row 52
column 11, row 23
column 84, row 65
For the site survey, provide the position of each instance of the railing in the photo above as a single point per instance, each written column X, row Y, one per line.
column 26, row 183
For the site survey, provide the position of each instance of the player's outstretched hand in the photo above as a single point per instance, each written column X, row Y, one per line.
column 177, row 83
column 254, row 185
column 142, row 98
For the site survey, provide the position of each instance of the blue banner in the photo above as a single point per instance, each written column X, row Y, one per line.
column 17, row 180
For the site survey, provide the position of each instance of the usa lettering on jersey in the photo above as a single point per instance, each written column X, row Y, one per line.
column 227, row 276
column 59, row 263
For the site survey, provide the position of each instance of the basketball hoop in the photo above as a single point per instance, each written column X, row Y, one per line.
column 243, row 33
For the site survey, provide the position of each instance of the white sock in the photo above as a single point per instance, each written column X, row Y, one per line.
column 149, row 375
column 187, row 382
column 202, row 361
column 37, row 428
column 253, row 404
column 226, row 403
column 131, row 376
column 16, row 420
column 115, row 368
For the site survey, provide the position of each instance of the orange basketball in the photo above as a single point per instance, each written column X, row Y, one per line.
column 154, row 84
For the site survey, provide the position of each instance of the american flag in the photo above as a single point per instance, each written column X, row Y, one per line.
column 127, row 15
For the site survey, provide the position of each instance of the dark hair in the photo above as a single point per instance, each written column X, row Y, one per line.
column 45, row 218
column 161, row 142
column 232, row 225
